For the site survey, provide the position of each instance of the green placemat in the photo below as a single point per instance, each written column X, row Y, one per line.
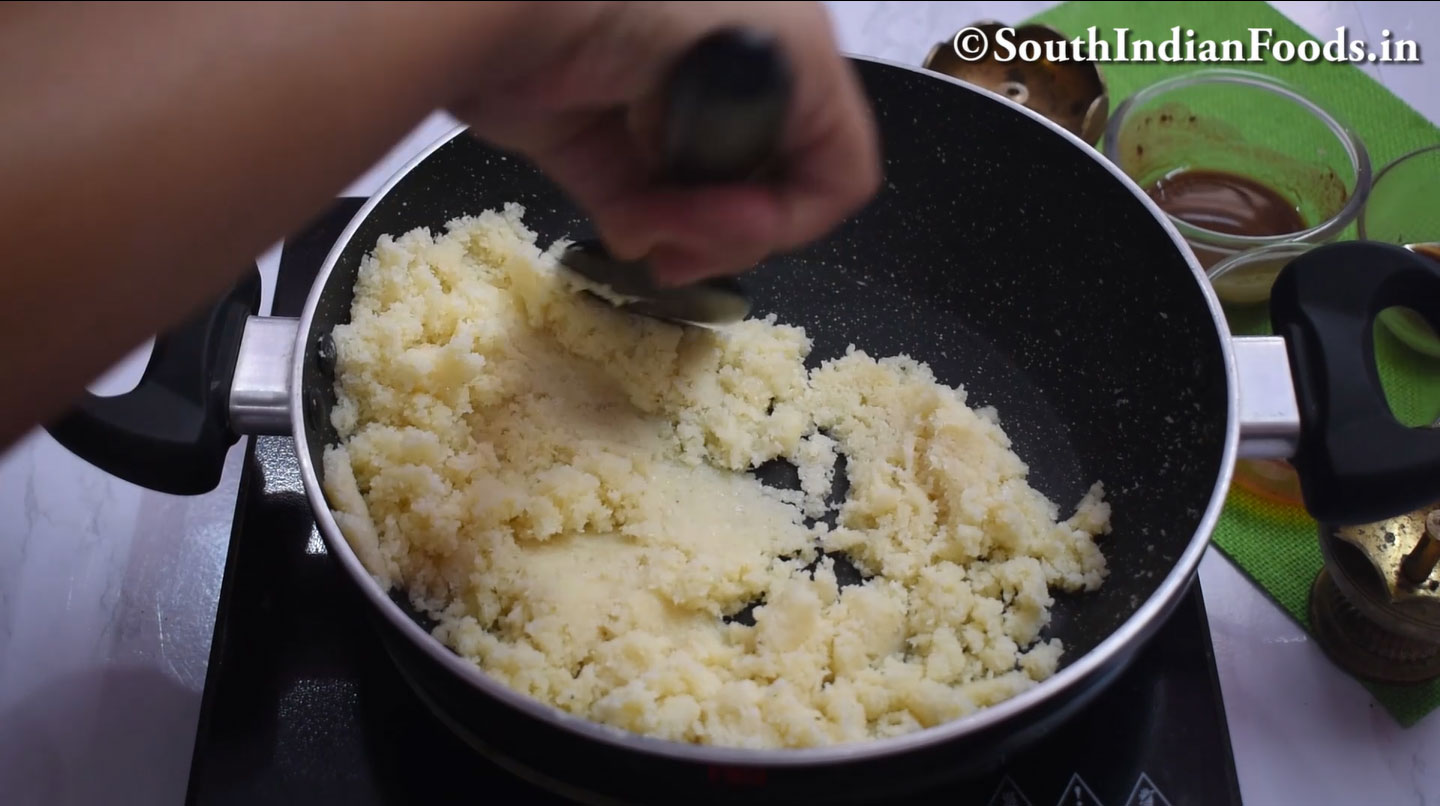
column 1276, row 546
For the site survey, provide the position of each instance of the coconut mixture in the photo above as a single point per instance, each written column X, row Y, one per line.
column 564, row 488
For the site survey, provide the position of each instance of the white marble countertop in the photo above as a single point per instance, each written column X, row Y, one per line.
column 108, row 592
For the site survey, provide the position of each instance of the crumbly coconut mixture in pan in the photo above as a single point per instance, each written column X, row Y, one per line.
column 564, row 488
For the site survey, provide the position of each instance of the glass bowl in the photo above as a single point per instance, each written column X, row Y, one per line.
column 1404, row 209
column 1240, row 161
column 1243, row 282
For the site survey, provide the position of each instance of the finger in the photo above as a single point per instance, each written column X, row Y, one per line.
column 830, row 155
column 602, row 169
column 834, row 164
column 597, row 163
column 676, row 265
column 704, row 219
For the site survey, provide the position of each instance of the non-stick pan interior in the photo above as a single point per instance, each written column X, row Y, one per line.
column 1006, row 257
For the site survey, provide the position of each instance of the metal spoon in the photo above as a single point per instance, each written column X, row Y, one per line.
column 726, row 103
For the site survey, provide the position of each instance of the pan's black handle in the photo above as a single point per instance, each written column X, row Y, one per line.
column 172, row 431
column 726, row 103
column 1356, row 462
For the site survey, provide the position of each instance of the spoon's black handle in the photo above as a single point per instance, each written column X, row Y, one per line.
column 727, row 100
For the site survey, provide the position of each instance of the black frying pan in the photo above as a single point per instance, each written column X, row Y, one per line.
column 1003, row 252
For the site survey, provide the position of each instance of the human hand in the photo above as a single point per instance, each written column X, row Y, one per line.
column 115, row 114
column 582, row 101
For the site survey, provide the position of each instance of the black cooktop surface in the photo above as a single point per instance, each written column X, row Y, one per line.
column 303, row 706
